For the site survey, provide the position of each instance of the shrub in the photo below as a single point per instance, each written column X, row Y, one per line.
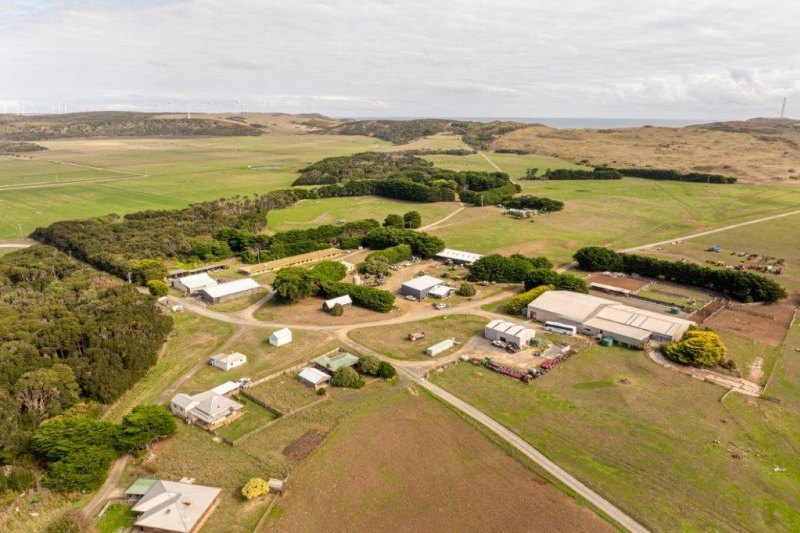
column 329, row 270
column 467, row 289
column 254, row 488
column 347, row 377
column 143, row 425
column 519, row 302
column 293, row 284
column 58, row 437
column 83, row 469
column 422, row 244
column 148, row 270
column 545, row 205
column 386, row 370
column 336, row 310
column 562, row 282
column 393, row 221
column 20, row 478
column 157, row 287
column 72, row 521
column 412, row 220
column 505, row 269
column 697, row 348
column 369, row 365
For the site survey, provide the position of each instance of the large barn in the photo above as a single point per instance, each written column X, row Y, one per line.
column 420, row 287
column 230, row 290
column 598, row 316
column 502, row 330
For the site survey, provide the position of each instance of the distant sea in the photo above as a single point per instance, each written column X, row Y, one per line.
column 573, row 122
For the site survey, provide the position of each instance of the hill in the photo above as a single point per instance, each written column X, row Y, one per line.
column 757, row 150
column 475, row 134
column 117, row 124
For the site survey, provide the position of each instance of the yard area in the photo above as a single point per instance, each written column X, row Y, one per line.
column 392, row 340
column 309, row 312
column 284, row 393
column 262, row 358
column 253, row 418
column 410, row 456
column 116, row 518
column 639, row 433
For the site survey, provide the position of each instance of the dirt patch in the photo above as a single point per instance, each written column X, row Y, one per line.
column 756, row 370
column 763, row 323
column 303, row 446
column 411, row 464
column 623, row 283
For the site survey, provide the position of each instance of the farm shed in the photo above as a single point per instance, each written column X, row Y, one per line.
column 502, row 330
column 230, row 290
column 291, row 261
column 228, row 361
column 611, row 289
column 173, row 506
column 458, row 257
column 332, row 363
column 182, row 273
column 420, row 287
column 440, row 347
column 194, row 283
column 597, row 316
column 281, row 337
column 441, row 291
column 344, row 301
column 313, row 377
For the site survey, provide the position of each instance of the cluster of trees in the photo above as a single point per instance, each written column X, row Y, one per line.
column 674, row 175
column 380, row 262
column 740, row 285
column 467, row 290
column 114, row 244
column 18, row 147
column 79, row 450
column 576, row 174
column 68, row 334
column 293, row 284
column 518, row 303
column 504, row 269
column 494, row 196
column 540, row 203
column 697, row 348
column 347, row 378
column 255, row 248
column 372, row 366
column 422, row 244
column 403, row 176
column 563, row 282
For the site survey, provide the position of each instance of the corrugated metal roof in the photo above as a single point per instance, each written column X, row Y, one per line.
column 458, row 255
column 422, row 283
column 231, row 287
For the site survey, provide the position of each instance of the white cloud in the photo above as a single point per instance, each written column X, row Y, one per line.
column 698, row 58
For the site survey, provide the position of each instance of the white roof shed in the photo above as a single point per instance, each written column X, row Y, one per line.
column 231, row 287
column 341, row 300
column 458, row 256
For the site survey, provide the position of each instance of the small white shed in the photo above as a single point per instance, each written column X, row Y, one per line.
column 344, row 301
column 281, row 337
column 229, row 361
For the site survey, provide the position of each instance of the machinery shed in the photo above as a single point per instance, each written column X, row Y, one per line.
column 502, row 330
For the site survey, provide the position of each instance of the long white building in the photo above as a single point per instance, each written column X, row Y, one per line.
column 591, row 315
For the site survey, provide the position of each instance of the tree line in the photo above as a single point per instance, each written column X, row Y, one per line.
column 737, row 284
column 539, row 203
column 674, row 175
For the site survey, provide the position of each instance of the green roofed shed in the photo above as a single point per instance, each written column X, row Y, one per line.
column 335, row 362
column 141, row 486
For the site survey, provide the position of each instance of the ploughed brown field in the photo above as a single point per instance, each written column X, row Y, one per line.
column 412, row 465
column 757, row 150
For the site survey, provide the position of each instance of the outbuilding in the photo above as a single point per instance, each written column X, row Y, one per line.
column 457, row 257
column 420, row 287
column 334, row 361
column 313, row 377
column 344, row 301
column 441, row 291
column 230, row 290
column 502, row 330
column 228, row 361
column 281, row 337
column 194, row 283
column 440, row 347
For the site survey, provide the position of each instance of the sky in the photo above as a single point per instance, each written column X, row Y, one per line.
column 709, row 59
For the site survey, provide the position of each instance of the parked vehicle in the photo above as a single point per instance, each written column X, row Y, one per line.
column 411, row 298
column 499, row 344
column 439, row 306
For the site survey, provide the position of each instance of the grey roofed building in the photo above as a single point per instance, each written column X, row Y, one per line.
column 173, row 506
column 598, row 316
column 230, row 290
column 420, row 287
column 207, row 409
column 194, row 283
column 508, row 332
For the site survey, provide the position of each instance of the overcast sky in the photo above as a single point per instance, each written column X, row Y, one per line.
column 476, row 58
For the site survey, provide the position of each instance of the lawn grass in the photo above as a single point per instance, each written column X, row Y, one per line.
column 755, row 360
column 116, row 518
column 238, row 304
column 408, row 459
column 193, row 339
column 284, row 393
column 391, row 340
column 253, row 418
column 657, row 436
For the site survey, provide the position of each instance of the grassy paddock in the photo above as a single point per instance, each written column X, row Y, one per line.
column 391, row 340
column 624, row 439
